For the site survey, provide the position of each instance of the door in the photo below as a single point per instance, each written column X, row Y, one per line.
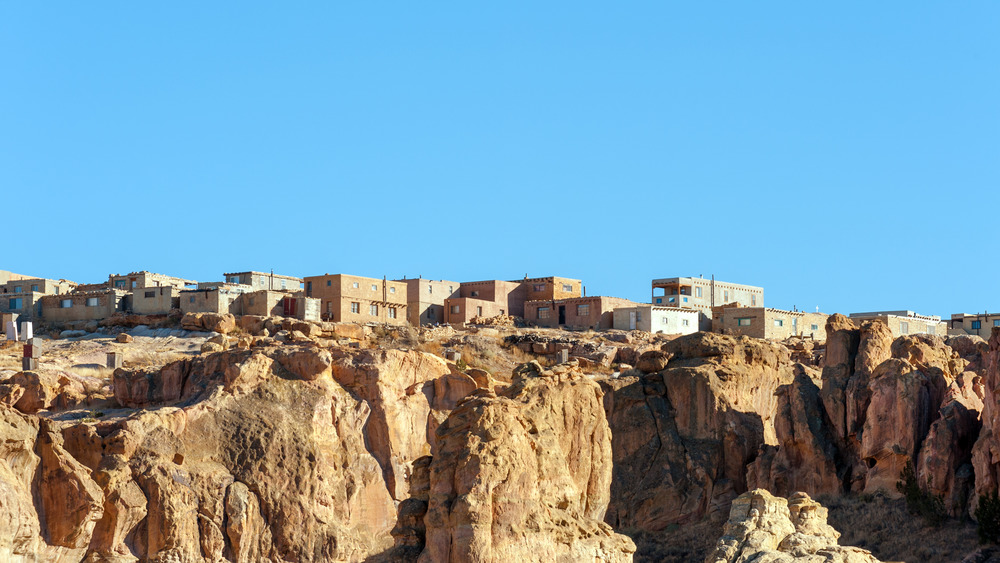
column 631, row 320
column 288, row 304
column 562, row 314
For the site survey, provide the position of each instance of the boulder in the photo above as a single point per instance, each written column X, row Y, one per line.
column 209, row 322
column 762, row 527
column 124, row 338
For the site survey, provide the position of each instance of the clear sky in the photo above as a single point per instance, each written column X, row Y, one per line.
column 840, row 155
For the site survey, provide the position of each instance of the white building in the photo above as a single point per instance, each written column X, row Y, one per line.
column 650, row 318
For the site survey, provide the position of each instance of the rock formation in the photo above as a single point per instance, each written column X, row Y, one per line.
column 524, row 476
column 763, row 527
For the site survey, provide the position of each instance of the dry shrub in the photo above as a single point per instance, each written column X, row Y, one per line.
column 887, row 528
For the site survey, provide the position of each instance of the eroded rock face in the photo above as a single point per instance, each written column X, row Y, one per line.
column 524, row 476
column 986, row 452
column 763, row 527
column 682, row 437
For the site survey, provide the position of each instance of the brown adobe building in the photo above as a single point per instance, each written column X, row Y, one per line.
column 357, row 299
column 595, row 312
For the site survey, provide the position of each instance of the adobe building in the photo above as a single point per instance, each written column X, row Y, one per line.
column 264, row 280
column 771, row 324
column 266, row 303
column 357, row 299
column 425, row 299
column 703, row 294
column 581, row 313
column 144, row 279
column 92, row 306
column 213, row 297
column 6, row 276
column 22, row 297
column 154, row 300
column 906, row 322
column 663, row 320
column 551, row 288
column 492, row 297
column 980, row 324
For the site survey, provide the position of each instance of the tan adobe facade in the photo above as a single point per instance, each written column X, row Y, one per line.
column 703, row 294
column 425, row 299
column 22, row 297
column 772, row 324
column 264, row 280
column 463, row 309
column 595, row 312
column 213, row 298
column 357, row 299
column 906, row 322
column 154, row 300
column 981, row 324
column 552, row 287
column 6, row 276
column 91, row 306
column 663, row 320
column 278, row 304
column 143, row 279
column 506, row 296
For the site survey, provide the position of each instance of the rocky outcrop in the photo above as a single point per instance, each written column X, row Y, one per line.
column 763, row 527
column 524, row 476
column 986, row 451
column 683, row 437
column 209, row 322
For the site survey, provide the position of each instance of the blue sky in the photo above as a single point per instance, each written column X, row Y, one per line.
column 842, row 156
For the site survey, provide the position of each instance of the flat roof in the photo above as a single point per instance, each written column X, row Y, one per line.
column 701, row 279
column 910, row 314
column 262, row 274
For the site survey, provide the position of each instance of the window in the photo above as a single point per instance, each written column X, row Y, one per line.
column 475, row 294
column 976, row 325
column 392, row 312
column 479, row 311
column 133, row 285
column 392, row 290
column 779, row 322
column 430, row 313
column 814, row 327
column 753, row 300
column 191, row 299
column 251, row 301
column 374, row 287
column 744, row 321
column 329, row 283
column 539, row 287
column 65, row 303
column 34, row 288
column 430, row 289
column 230, row 279
column 456, row 309
column 583, row 310
column 150, row 294
column 373, row 310
column 996, row 322
column 543, row 312
column 671, row 300
column 15, row 304
column 685, row 299
column 92, row 302
column 697, row 292
column 451, row 289
column 355, row 285
column 904, row 328
column 684, row 322
column 309, row 286
column 567, row 287
column 355, row 307
column 121, row 283
column 638, row 316
column 725, row 297
column 18, row 289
